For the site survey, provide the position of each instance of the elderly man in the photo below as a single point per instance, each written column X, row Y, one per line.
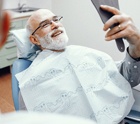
column 76, row 80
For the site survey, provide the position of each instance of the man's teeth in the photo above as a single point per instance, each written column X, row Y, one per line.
column 57, row 33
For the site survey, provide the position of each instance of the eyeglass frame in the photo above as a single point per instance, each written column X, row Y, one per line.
column 49, row 23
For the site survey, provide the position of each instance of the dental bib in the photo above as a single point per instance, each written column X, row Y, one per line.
column 78, row 81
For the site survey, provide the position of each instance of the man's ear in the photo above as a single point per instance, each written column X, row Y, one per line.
column 5, row 27
column 34, row 40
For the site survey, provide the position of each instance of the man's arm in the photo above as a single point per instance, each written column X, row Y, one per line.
column 130, row 69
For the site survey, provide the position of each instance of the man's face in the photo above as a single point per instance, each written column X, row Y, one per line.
column 56, row 39
column 53, row 36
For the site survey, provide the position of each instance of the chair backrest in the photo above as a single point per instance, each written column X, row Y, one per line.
column 18, row 66
column 25, row 50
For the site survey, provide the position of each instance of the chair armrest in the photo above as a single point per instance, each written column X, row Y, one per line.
column 133, row 117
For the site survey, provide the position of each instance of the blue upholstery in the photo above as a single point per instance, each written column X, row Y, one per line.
column 18, row 66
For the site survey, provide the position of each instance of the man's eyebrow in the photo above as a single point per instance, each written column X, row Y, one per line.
column 54, row 16
column 48, row 19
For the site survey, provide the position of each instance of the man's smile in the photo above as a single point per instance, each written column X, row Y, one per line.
column 56, row 33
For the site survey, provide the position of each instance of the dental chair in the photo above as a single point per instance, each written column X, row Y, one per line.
column 18, row 66
column 26, row 52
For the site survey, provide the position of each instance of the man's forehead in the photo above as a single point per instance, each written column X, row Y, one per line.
column 39, row 16
column 44, row 14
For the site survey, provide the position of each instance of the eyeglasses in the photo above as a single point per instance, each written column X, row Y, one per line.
column 48, row 22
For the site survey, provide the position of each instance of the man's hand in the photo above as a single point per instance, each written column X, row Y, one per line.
column 126, row 29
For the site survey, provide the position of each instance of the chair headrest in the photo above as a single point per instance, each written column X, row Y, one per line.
column 25, row 49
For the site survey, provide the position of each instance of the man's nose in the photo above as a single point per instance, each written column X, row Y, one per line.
column 54, row 25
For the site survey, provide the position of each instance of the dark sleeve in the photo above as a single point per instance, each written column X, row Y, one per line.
column 130, row 69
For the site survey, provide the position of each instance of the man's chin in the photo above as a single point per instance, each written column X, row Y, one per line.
column 57, row 43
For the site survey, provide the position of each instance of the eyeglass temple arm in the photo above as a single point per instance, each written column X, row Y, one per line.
column 35, row 30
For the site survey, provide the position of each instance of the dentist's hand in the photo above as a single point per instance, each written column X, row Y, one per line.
column 4, row 29
column 126, row 29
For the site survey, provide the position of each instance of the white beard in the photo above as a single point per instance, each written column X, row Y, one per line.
column 58, row 44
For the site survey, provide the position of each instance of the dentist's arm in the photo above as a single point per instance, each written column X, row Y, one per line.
column 4, row 29
column 130, row 68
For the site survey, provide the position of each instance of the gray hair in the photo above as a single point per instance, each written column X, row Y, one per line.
column 29, row 28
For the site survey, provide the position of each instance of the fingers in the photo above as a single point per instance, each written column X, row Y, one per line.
column 116, row 29
column 117, row 19
column 125, row 29
column 124, row 24
column 125, row 32
column 110, row 9
column 115, row 36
